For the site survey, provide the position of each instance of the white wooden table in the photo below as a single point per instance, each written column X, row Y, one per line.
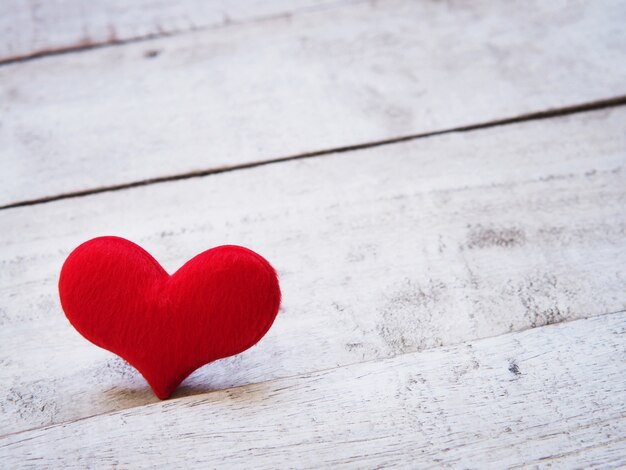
column 441, row 186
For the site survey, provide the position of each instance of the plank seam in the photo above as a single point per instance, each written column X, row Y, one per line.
column 86, row 45
column 546, row 114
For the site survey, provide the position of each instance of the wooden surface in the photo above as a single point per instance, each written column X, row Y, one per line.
column 423, row 278
column 550, row 396
column 328, row 78
column 432, row 242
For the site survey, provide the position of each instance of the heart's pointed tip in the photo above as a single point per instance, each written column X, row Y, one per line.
column 165, row 389
column 163, row 395
column 163, row 392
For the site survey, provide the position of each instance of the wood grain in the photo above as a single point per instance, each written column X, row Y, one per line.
column 380, row 252
column 33, row 27
column 550, row 397
column 308, row 82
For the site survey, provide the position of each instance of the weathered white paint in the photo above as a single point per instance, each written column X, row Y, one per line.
column 34, row 27
column 380, row 252
column 353, row 74
column 552, row 396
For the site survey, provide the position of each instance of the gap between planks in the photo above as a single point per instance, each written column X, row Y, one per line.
column 325, row 80
column 547, row 114
column 513, row 400
column 86, row 44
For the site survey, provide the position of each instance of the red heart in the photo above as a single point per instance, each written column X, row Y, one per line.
column 119, row 297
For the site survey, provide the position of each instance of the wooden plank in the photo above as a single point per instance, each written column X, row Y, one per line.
column 380, row 252
column 32, row 28
column 309, row 82
column 552, row 396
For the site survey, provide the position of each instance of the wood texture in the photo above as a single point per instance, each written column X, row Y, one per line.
column 380, row 252
column 551, row 397
column 357, row 73
column 35, row 27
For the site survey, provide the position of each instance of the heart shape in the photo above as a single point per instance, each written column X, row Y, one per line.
column 218, row 304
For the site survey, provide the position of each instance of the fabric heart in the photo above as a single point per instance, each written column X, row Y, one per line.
column 218, row 304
